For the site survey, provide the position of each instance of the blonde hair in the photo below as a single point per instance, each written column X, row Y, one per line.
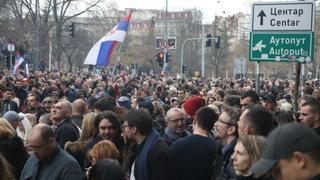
column 103, row 149
column 157, row 108
column 254, row 145
column 32, row 119
column 88, row 129
column 6, row 130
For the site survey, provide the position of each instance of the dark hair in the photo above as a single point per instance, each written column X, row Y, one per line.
column 252, row 94
column 221, row 93
column 8, row 89
column 307, row 98
column 308, row 90
column 111, row 116
column 232, row 100
column 283, row 117
column 35, row 95
column 141, row 119
column 314, row 106
column 116, row 123
column 105, row 104
column 260, row 119
column 206, row 117
column 106, row 169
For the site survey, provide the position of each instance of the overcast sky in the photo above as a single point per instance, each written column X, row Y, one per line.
column 210, row 8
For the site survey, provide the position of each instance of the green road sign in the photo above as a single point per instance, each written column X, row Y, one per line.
column 281, row 47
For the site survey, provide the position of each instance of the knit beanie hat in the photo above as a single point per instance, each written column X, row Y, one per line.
column 192, row 104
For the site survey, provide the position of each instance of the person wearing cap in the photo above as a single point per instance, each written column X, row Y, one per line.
column 292, row 153
column 269, row 102
column 310, row 115
column 13, row 118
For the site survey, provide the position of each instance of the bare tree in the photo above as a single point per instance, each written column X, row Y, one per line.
column 59, row 10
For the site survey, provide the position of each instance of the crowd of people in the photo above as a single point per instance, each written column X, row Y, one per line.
column 71, row 126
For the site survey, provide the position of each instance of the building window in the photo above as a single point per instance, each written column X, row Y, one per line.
column 179, row 15
column 186, row 15
column 172, row 15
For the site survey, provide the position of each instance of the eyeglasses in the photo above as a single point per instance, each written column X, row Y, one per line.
column 34, row 148
column 227, row 123
column 181, row 120
column 47, row 102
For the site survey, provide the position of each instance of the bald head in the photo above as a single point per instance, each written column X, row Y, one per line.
column 66, row 105
column 41, row 132
column 79, row 107
column 41, row 141
column 173, row 111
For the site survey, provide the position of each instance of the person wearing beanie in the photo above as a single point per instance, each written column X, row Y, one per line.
column 190, row 106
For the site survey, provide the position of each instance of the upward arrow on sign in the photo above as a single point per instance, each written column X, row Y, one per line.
column 261, row 15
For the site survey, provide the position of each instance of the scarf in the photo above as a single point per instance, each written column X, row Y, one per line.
column 151, row 140
column 173, row 136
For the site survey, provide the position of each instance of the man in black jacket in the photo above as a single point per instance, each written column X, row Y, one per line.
column 7, row 104
column 151, row 159
column 226, row 130
column 194, row 154
column 66, row 130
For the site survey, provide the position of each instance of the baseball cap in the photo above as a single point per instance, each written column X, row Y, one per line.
column 12, row 116
column 269, row 97
column 283, row 141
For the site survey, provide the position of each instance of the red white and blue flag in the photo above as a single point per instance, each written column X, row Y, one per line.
column 18, row 61
column 100, row 53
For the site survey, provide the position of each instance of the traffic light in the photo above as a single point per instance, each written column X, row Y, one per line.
column 160, row 58
column 71, row 29
column 184, row 69
column 168, row 57
column 208, row 40
column 217, row 42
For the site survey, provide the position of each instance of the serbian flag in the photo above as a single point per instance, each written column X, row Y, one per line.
column 19, row 60
column 100, row 53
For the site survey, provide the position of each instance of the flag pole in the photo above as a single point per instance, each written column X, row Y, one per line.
column 117, row 61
